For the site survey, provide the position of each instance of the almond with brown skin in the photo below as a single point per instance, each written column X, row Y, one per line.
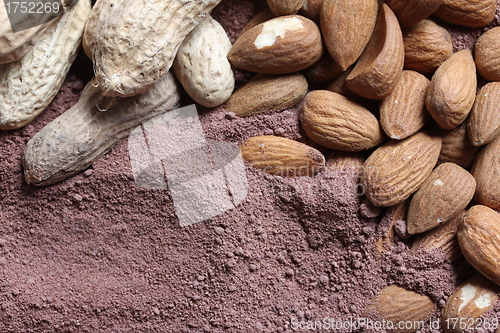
column 457, row 147
column 344, row 36
column 403, row 112
column 467, row 13
column 478, row 237
column 312, row 9
column 282, row 157
column 443, row 238
column 427, row 45
column 379, row 67
column 335, row 122
column 411, row 12
column 447, row 190
column 452, row 90
column 484, row 121
column 285, row 7
column 338, row 85
column 486, row 54
column 396, row 304
column 266, row 92
column 471, row 300
column 486, row 170
column 282, row 45
column 324, row 70
column 397, row 169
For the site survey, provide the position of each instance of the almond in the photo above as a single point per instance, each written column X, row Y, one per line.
column 344, row 36
column 285, row 44
column 443, row 238
column 387, row 226
column 338, row 85
column 379, row 67
column 457, row 147
column 484, row 121
column 486, row 170
column 266, row 92
column 324, row 70
column 467, row 13
column 486, row 54
column 452, row 90
column 397, row 169
column 447, row 190
column 478, row 237
column 282, row 157
column 403, row 112
column 285, row 7
column 344, row 160
column 471, row 300
column 427, row 45
column 312, row 9
column 396, row 304
column 411, row 12
column 336, row 122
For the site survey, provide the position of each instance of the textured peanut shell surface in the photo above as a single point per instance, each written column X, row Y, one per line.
column 28, row 85
column 71, row 142
column 14, row 45
column 133, row 43
column 201, row 64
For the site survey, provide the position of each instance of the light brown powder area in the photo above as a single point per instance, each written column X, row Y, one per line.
column 96, row 253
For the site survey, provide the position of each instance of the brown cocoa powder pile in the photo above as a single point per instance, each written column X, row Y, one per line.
column 96, row 253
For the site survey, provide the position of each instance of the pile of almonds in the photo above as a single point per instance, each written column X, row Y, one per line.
column 423, row 139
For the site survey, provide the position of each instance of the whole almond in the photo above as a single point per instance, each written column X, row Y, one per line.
column 395, row 304
column 324, row 70
column 312, row 9
column 486, row 170
column 344, row 36
column 266, row 92
column 427, row 45
column 457, row 147
column 411, row 12
column 442, row 238
column 467, row 13
column 487, row 61
column 336, row 122
column 471, row 300
column 379, row 67
column 447, row 190
column 397, row 169
column 133, row 43
column 282, row 157
column 452, row 90
column 28, row 85
column 285, row 44
column 403, row 112
column 478, row 238
column 71, row 142
column 483, row 125
column 285, row 7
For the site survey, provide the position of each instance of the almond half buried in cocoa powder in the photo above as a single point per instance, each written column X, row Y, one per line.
column 379, row 67
column 282, row 157
column 336, row 122
column 282, row 45
column 267, row 92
